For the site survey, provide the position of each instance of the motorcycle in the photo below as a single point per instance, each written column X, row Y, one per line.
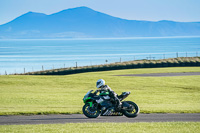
column 103, row 105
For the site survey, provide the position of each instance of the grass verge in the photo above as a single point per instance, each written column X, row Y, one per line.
column 165, row 127
column 171, row 62
column 22, row 94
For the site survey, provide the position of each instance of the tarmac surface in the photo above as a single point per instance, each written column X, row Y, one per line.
column 163, row 74
column 80, row 118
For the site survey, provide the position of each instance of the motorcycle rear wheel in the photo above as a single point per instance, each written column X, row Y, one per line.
column 133, row 112
column 90, row 112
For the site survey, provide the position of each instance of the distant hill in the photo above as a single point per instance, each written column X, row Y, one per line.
column 83, row 22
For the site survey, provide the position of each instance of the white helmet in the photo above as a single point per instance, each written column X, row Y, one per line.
column 100, row 82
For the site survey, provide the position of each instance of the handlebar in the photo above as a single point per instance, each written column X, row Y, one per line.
column 96, row 91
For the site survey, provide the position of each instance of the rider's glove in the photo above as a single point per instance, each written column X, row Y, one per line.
column 96, row 92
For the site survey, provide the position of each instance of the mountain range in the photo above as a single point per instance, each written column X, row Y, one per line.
column 83, row 22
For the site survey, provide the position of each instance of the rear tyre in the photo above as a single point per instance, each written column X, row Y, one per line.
column 133, row 111
column 90, row 112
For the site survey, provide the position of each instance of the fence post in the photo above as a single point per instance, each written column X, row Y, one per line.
column 120, row 60
column 176, row 54
column 196, row 54
column 76, row 65
column 106, row 61
column 186, row 54
column 24, row 70
column 42, row 68
column 5, row 73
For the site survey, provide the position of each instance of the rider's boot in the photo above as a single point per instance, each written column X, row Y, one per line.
column 118, row 104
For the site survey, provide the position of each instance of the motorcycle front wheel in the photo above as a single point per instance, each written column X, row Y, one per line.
column 133, row 111
column 91, row 112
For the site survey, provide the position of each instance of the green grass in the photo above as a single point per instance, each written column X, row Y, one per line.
column 165, row 127
column 24, row 94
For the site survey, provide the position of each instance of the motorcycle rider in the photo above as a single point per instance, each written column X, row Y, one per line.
column 105, row 88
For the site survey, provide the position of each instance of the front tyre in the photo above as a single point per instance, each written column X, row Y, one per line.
column 91, row 112
column 133, row 111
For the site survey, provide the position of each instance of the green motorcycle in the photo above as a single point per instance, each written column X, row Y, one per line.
column 95, row 105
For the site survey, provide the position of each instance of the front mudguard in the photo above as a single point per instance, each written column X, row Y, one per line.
column 90, row 103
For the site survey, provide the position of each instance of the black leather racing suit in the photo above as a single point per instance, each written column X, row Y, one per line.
column 112, row 94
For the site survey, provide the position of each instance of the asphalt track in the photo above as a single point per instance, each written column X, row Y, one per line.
column 80, row 118
column 163, row 74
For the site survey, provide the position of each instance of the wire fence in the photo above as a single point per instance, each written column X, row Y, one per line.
column 98, row 60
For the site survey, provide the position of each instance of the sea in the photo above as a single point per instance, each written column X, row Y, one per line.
column 28, row 55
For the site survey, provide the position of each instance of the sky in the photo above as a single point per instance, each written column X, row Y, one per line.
column 150, row 10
